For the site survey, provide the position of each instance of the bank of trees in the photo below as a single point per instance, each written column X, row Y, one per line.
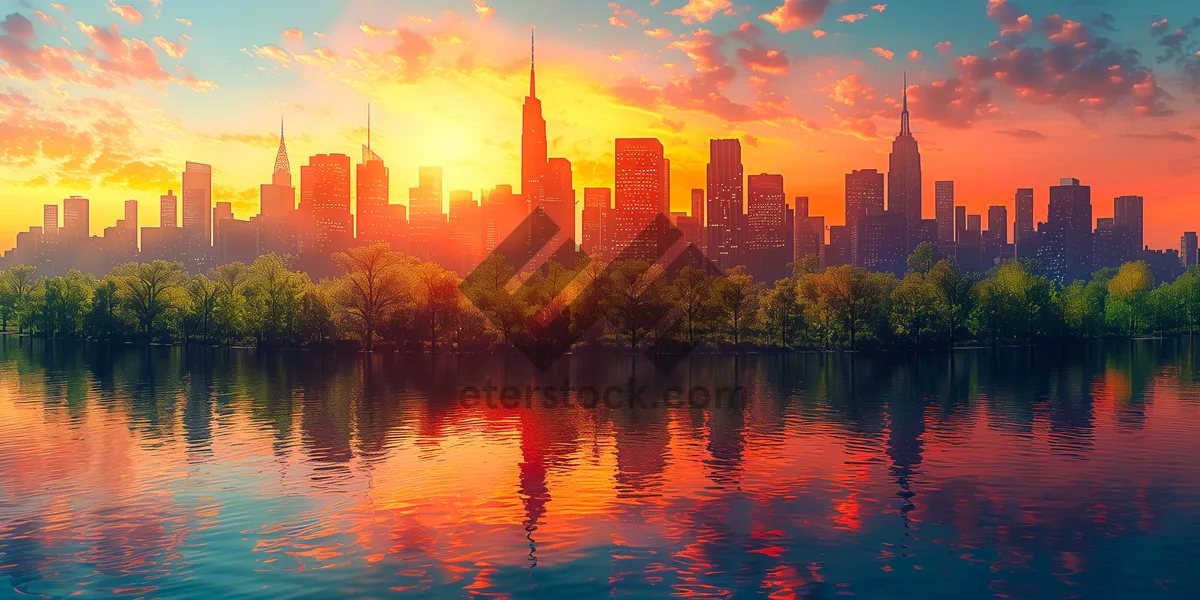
column 383, row 300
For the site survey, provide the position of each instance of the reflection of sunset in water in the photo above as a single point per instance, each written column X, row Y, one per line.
column 184, row 473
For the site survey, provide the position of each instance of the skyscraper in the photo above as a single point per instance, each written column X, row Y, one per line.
column 373, row 193
column 533, row 140
column 767, row 241
column 597, row 202
column 960, row 223
column 50, row 220
column 325, row 194
column 1127, row 212
column 1023, row 226
column 426, row 218
column 904, row 170
column 465, row 231
column 998, row 225
column 725, row 201
column 864, row 195
column 1188, row 249
column 665, row 205
column 698, row 214
column 76, row 217
column 558, row 186
column 168, row 210
column 638, row 181
column 197, row 202
column 277, row 200
column 943, row 212
column 1071, row 214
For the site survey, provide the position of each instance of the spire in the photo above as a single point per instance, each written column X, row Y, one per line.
column 532, row 87
column 281, row 157
column 367, row 154
column 904, row 128
column 368, row 126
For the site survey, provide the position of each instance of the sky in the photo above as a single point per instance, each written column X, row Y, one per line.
column 108, row 98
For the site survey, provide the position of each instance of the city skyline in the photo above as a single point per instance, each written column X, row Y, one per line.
column 807, row 139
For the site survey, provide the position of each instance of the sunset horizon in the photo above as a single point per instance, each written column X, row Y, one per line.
column 114, row 108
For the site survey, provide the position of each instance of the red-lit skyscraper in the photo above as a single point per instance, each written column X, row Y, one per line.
column 426, row 217
column 725, row 201
column 372, row 193
column 325, row 198
column 533, row 140
column 558, row 188
column 597, row 203
column 197, row 202
column 638, row 181
column 277, row 200
column 465, row 232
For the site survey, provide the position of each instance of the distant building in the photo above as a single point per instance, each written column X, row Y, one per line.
column 168, row 210
column 864, row 195
column 1127, row 212
column 50, row 221
column 597, row 204
column 197, row 202
column 1188, row 249
column 880, row 239
column 325, row 200
column 904, row 171
column 638, row 181
column 77, row 221
column 1023, row 224
column 725, row 202
column 768, row 235
column 1071, row 214
column 943, row 210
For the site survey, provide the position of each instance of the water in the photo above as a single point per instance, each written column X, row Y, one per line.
column 173, row 473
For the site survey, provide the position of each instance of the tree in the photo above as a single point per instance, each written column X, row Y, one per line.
column 635, row 299
column 372, row 286
column 781, row 311
column 273, row 295
column 692, row 291
column 849, row 293
column 922, row 259
column 146, row 288
column 438, row 299
column 954, row 298
column 735, row 299
column 16, row 285
column 486, row 288
column 203, row 294
column 1129, row 289
column 913, row 307
column 1187, row 291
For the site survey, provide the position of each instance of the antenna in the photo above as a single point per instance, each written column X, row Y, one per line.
column 368, row 126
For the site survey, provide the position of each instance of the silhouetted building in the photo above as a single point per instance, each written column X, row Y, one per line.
column 373, row 193
column 881, row 242
column 997, row 226
column 1188, row 249
column 725, row 202
column 768, row 233
column 837, row 252
column 864, row 195
column 465, row 232
column 1024, row 215
column 533, row 140
column 234, row 240
column 597, row 203
column 197, row 202
column 904, row 171
column 1071, row 212
column 168, row 210
column 638, row 181
column 278, row 222
column 808, row 233
column 558, row 185
column 426, row 220
column 1127, row 212
column 77, row 222
column 943, row 211
column 960, row 222
column 698, row 213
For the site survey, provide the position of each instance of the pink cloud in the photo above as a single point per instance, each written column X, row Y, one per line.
column 944, row 47
column 127, row 12
column 484, row 11
column 293, row 34
column 701, row 10
column 659, row 32
column 884, row 53
column 796, row 14
column 174, row 49
column 879, row 7
column 852, row 18
column 914, row 55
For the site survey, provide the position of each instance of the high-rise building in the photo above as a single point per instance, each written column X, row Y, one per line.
column 1188, row 249
column 76, row 217
column 960, row 223
column 904, row 170
column 837, row 252
column 665, row 205
column 50, row 220
column 465, row 232
column 131, row 214
column 197, row 202
column 725, row 201
column 426, row 219
column 373, row 195
column 222, row 211
column 808, row 233
column 766, row 217
column 638, row 183
column 998, row 225
column 943, row 211
column 558, row 186
column 1127, row 212
column 698, row 214
column 1071, row 213
column 325, row 196
column 974, row 224
column 880, row 242
column 597, row 203
column 533, row 140
column 864, row 195
column 168, row 210
column 277, row 200
column 1023, row 225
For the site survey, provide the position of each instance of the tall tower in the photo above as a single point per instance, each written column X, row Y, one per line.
column 372, row 195
column 943, row 211
column 277, row 200
column 197, row 202
column 726, row 198
column 533, row 140
column 904, row 172
column 282, row 173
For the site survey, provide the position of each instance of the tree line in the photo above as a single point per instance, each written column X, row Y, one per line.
column 383, row 300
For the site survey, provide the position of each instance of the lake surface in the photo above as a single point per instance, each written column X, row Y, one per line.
column 221, row 473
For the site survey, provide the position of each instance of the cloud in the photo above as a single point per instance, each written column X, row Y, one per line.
column 1179, row 48
column 764, row 60
column 1011, row 20
column 484, row 11
column 1166, row 136
column 851, row 18
column 819, row 33
column 185, row 22
column 884, row 53
column 853, row 106
column 18, row 27
column 659, row 32
column 174, row 49
column 274, row 53
column 750, row 140
column 944, row 47
column 621, row 17
column 796, row 14
column 1024, row 135
column 914, row 55
column 293, row 34
column 879, row 7
column 700, row 10
column 126, row 12
column 955, row 102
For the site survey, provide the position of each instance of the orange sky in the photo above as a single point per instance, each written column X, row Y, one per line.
column 102, row 102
